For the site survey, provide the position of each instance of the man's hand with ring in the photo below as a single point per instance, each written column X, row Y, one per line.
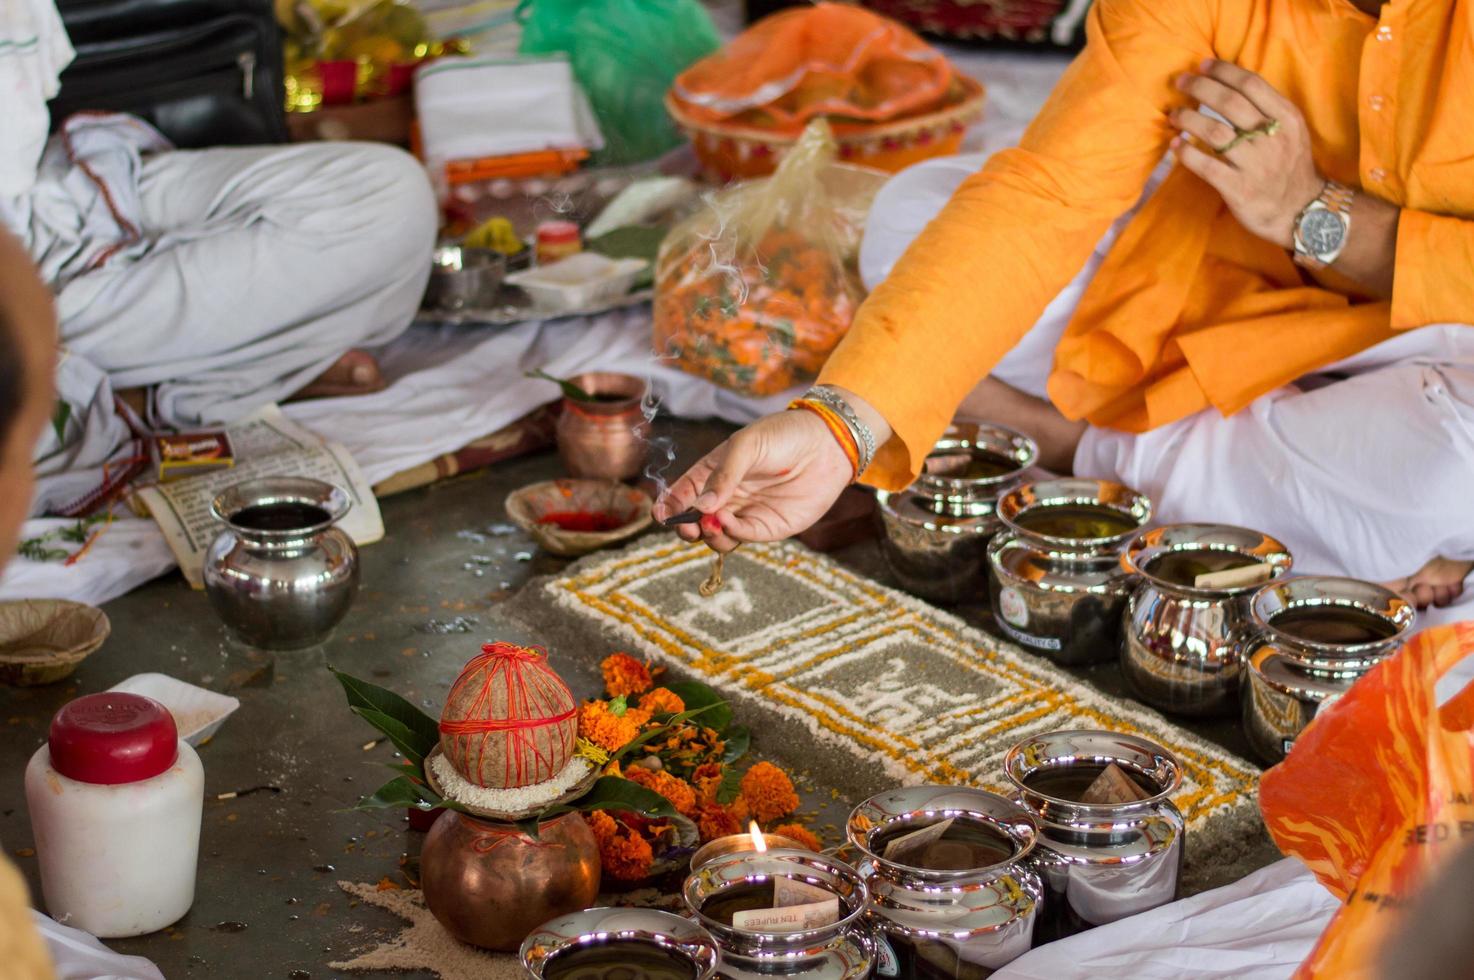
column 1266, row 180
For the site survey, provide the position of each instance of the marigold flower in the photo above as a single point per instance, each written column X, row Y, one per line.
column 678, row 791
column 707, row 778
column 623, row 854
column 624, row 675
column 598, row 723
column 769, row 792
column 798, row 832
column 662, row 701
column 715, row 820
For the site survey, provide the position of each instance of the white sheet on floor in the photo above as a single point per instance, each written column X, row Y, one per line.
column 449, row 385
column 1258, row 928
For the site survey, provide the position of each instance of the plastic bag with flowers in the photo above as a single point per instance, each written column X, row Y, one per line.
column 755, row 290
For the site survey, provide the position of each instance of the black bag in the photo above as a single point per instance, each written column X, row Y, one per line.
column 204, row 72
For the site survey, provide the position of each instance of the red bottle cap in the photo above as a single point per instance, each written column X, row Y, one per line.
column 112, row 738
column 557, row 232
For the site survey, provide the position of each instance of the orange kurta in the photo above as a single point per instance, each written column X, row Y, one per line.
column 1189, row 310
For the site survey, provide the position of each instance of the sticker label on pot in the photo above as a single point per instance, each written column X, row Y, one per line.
column 1287, row 745
column 886, row 963
column 1037, row 642
column 1012, row 608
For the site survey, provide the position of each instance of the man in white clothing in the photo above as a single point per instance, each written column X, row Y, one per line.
column 197, row 285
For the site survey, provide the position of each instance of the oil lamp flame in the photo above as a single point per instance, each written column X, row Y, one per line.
column 759, row 844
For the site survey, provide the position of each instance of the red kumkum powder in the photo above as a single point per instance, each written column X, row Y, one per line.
column 582, row 521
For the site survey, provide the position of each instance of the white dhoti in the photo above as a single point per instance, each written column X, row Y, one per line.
column 224, row 279
column 1365, row 469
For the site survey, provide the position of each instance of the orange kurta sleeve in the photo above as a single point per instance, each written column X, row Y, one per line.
column 1430, row 275
column 1016, row 232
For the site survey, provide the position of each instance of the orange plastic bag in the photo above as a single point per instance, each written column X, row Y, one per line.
column 826, row 60
column 1376, row 793
column 755, row 290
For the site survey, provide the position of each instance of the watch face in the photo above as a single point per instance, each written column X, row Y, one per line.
column 1322, row 232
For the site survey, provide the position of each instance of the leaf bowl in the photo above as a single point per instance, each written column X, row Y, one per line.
column 534, row 509
column 43, row 640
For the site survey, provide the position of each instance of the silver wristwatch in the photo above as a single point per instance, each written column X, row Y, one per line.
column 1322, row 228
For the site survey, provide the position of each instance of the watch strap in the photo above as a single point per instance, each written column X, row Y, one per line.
column 1333, row 197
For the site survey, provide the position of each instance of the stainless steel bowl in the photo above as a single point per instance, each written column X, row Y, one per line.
column 464, row 278
column 287, row 585
column 608, row 933
column 943, row 476
column 1180, row 645
column 1288, row 678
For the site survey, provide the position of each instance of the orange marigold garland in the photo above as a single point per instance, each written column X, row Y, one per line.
column 624, row 855
column 624, row 675
column 678, row 791
column 610, row 725
column 662, row 701
column 769, row 792
column 799, row 833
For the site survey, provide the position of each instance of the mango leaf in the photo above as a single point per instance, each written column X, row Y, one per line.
column 59, row 419
column 570, row 390
column 659, row 730
column 397, row 794
column 730, row 786
column 615, row 793
column 697, row 695
column 739, row 740
column 404, row 740
column 423, row 731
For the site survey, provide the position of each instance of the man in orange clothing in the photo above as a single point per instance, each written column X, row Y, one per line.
column 1315, row 216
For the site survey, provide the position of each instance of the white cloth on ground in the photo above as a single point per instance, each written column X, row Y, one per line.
column 252, row 271
column 33, row 51
column 447, row 386
column 78, row 955
column 1258, row 928
column 1363, row 470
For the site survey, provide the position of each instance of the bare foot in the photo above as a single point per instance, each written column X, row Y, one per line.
column 355, row 373
column 994, row 401
column 1437, row 583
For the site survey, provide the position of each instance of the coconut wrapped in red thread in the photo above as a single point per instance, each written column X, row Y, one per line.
column 509, row 720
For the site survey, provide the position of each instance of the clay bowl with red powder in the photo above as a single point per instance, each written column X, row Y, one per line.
column 573, row 517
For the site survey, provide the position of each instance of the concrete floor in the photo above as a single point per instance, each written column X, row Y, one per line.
column 267, row 904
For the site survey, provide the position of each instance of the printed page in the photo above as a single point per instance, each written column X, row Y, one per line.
column 267, row 444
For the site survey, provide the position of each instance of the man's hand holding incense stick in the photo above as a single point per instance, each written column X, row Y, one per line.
column 768, row 482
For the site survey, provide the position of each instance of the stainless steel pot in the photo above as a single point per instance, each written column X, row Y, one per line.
column 592, row 944
column 841, row 951
column 464, row 278
column 281, row 575
column 948, row 925
column 1099, row 862
column 936, row 531
column 1063, row 597
column 1181, row 645
column 1289, row 677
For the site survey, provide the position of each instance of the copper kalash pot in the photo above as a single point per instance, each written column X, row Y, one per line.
column 606, row 438
column 490, row 884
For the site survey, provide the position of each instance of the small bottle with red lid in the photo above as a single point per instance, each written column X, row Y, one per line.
column 116, row 799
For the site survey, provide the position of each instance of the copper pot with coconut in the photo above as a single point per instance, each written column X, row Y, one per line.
column 605, row 435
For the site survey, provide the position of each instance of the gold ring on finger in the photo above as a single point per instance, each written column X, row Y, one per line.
column 1268, row 128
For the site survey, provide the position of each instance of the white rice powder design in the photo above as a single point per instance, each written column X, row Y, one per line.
column 459, row 789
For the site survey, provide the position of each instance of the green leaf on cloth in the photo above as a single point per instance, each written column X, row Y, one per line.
column 570, row 390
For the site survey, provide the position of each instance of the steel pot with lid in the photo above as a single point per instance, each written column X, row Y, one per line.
column 1313, row 638
column 936, row 531
column 1181, row 642
column 1056, row 582
column 962, row 905
column 1100, row 861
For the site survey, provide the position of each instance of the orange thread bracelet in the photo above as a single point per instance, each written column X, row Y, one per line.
column 837, row 428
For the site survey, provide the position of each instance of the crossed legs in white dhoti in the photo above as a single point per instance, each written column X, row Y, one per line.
column 266, row 272
column 1365, row 469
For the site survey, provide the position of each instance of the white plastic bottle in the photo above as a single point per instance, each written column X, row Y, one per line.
column 116, row 799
